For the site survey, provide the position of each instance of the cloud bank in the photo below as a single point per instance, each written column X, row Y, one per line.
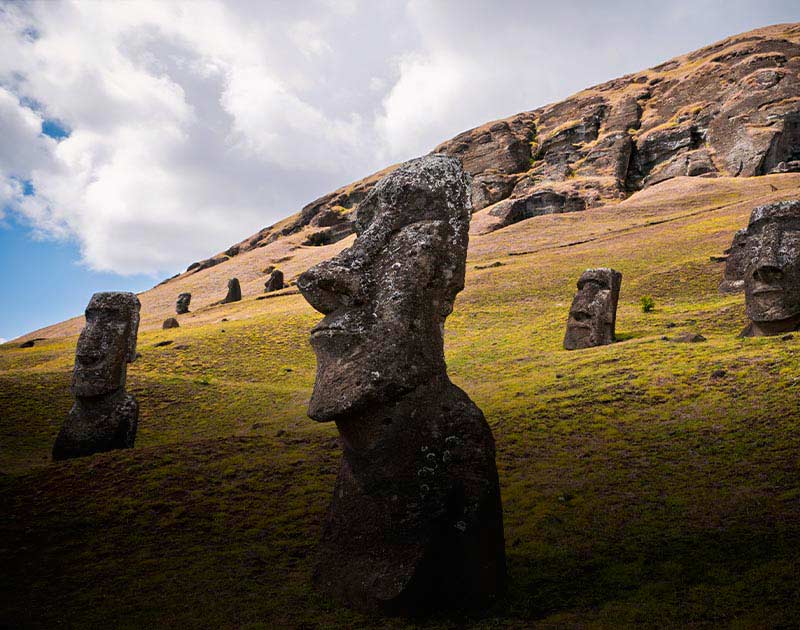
column 156, row 133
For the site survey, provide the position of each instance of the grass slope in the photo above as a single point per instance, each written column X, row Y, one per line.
column 639, row 488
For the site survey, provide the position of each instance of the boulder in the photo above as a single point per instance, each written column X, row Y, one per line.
column 170, row 322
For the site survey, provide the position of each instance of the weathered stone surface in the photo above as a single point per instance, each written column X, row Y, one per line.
column 772, row 272
column 538, row 203
column 170, row 322
column 209, row 262
column 416, row 519
column 182, row 305
column 593, row 315
column 104, row 417
column 234, row 291
column 733, row 280
column 274, row 282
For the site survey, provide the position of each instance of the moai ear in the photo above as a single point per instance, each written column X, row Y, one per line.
column 134, row 329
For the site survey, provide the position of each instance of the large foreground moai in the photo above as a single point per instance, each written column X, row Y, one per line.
column 104, row 417
column 733, row 280
column 772, row 274
column 416, row 519
column 593, row 314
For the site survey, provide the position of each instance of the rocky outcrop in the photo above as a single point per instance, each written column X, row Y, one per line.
column 730, row 109
column 416, row 520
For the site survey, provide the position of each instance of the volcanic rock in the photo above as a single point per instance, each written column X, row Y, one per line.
column 170, row 322
column 182, row 305
column 593, row 314
column 104, row 417
column 416, row 519
column 234, row 291
column 735, row 263
column 274, row 282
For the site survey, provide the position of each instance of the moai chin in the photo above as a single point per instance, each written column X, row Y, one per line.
column 416, row 518
column 234, row 291
column 733, row 280
column 104, row 417
column 772, row 272
column 182, row 305
column 593, row 314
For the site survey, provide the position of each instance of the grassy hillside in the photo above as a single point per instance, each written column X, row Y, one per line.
column 645, row 483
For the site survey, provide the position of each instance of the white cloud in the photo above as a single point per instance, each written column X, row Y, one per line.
column 193, row 124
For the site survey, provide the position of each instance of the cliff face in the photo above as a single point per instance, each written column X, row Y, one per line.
column 732, row 108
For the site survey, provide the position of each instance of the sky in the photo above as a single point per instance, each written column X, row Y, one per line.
column 138, row 137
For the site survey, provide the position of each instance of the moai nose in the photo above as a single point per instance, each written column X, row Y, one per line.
column 767, row 268
column 331, row 285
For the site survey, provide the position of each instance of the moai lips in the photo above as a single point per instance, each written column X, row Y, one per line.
column 593, row 314
column 104, row 416
column 416, row 517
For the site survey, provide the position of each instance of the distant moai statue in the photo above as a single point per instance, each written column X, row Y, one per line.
column 182, row 305
column 234, row 291
column 593, row 314
column 274, row 282
column 416, row 518
column 104, row 417
column 772, row 272
column 733, row 280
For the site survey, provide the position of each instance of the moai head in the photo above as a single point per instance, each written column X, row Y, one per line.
column 385, row 298
column 594, row 310
column 234, row 291
column 772, row 274
column 182, row 305
column 106, row 345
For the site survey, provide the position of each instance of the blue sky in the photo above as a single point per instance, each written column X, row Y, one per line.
column 136, row 138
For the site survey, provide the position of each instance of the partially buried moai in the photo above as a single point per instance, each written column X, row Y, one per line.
column 104, row 416
column 772, row 272
column 593, row 314
column 733, row 280
column 182, row 305
column 416, row 518
column 234, row 291
column 274, row 282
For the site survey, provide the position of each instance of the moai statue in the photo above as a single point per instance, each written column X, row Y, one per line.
column 416, row 518
column 182, row 305
column 234, row 291
column 274, row 282
column 772, row 274
column 593, row 313
column 104, row 417
column 733, row 280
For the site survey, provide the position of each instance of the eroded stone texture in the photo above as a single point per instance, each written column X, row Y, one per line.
column 416, row 518
column 772, row 272
column 274, row 282
column 170, row 322
column 593, row 314
column 733, row 280
column 234, row 291
column 104, row 417
column 182, row 305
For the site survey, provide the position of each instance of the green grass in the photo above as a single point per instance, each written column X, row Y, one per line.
column 638, row 489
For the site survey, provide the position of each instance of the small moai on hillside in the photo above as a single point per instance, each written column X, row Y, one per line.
column 234, row 291
column 733, row 280
column 170, row 322
column 274, row 282
column 182, row 305
column 593, row 314
column 104, row 416
column 416, row 520
column 772, row 271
